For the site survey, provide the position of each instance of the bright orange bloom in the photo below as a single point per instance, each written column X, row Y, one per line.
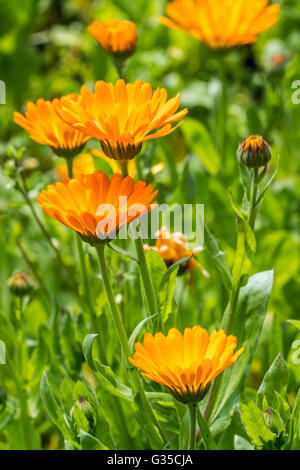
column 222, row 24
column 186, row 364
column 115, row 36
column 84, row 164
column 95, row 206
column 122, row 116
column 172, row 248
column 46, row 127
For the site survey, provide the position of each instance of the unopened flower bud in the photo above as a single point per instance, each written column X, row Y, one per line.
column 254, row 152
column 269, row 420
column 20, row 284
column 116, row 37
column 86, row 409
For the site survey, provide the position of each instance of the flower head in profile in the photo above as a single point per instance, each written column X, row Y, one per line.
column 172, row 248
column 254, row 152
column 122, row 116
column 95, row 206
column 185, row 364
column 115, row 36
column 44, row 126
column 222, row 24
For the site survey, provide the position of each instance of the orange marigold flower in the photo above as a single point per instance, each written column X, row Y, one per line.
column 95, row 206
column 185, row 364
column 254, row 152
column 115, row 36
column 222, row 24
column 172, row 248
column 44, row 126
column 122, row 116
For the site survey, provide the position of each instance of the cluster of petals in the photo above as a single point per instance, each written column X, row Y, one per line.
column 222, row 24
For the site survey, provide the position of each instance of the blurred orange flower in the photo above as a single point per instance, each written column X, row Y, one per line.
column 95, row 206
column 122, row 116
column 115, row 36
column 185, row 364
column 172, row 248
column 46, row 127
column 222, row 23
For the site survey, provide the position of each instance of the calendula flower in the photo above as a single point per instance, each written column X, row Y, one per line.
column 254, row 152
column 44, row 126
column 122, row 116
column 185, row 364
column 95, row 206
column 172, row 248
column 115, row 36
column 222, row 24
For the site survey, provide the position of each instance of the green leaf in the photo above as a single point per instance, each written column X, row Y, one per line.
column 276, row 379
column 254, row 422
column 246, row 326
column 66, row 394
column 122, row 252
column 199, row 140
column 80, row 419
column 167, row 287
column 87, row 349
column 184, row 432
column 295, row 323
column 146, row 423
column 218, row 258
column 206, row 435
column 89, row 442
column 137, row 331
column 54, row 410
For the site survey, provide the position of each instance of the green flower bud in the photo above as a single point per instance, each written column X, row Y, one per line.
column 270, row 421
column 254, row 152
column 86, row 409
column 20, row 284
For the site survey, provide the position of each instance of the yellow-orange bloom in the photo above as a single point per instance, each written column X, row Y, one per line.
column 222, row 24
column 44, row 126
column 115, row 36
column 185, row 364
column 95, row 206
column 122, row 116
column 172, row 248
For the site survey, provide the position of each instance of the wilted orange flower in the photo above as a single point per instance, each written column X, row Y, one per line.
column 46, row 127
column 172, row 248
column 84, row 164
column 122, row 116
column 222, row 23
column 115, row 36
column 185, row 364
column 95, row 206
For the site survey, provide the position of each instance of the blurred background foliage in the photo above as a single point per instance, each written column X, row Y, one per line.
column 46, row 51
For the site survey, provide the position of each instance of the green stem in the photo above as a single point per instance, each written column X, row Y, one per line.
column 124, row 167
column 253, row 196
column 136, row 380
column 222, row 111
column 192, row 433
column 147, row 282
